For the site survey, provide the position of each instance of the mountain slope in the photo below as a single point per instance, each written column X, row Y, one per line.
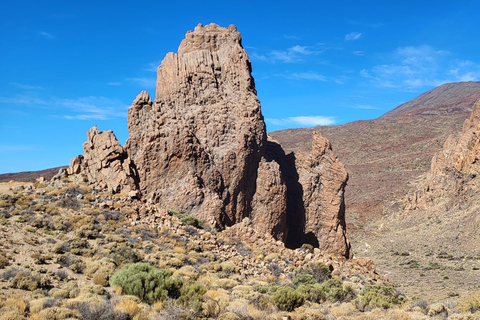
column 448, row 98
column 382, row 155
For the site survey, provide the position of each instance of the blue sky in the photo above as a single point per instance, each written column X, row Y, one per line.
column 68, row 65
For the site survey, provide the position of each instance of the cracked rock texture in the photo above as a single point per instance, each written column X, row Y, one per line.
column 200, row 147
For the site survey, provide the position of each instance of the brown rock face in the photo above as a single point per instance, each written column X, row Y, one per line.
column 201, row 148
column 323, row 178
column 454, row 168
column 105, row 163
column 198, row 146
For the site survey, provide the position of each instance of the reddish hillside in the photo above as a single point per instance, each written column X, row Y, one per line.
column 448, row 98
column 382, row 155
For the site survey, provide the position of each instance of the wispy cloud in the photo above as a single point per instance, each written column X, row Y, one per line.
column 46, row 35
column 311, row 75
column 27, row 86
column 290, row 55
column 93, row 108
column 352, row 36
column 152, row 66
column 8, row 148
column 302, row 121
column 291, row 37
column 364, row 107
column 83, row 108
column 115, row 83
column 143, row 82
column 359, row 53
column 415, row 67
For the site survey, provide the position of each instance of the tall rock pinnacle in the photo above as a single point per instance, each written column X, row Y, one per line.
column 200, row 147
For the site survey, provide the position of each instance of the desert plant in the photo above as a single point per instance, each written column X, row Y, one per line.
column 123, row 254
column 333, row 289
column 470, row 303
column 26, row 281
column 287, row 298
column 303, row 279
column 147, row 282
column 192, row 221
column 377, row 296
column 193, row 291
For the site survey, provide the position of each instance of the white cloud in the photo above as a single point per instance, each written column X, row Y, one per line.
column 359, row 53
column 93, row 108
column 27, row 86
column 143, row 82
column 352, row 36
column 364, row 107
column 291, row 55
column 152, row 66
column 309, row 76
column 416, row 67
column 115, row 83
column 46, row 35
column 97, row 108
column 303, row 121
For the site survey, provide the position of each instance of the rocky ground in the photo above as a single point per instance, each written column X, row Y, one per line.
column 63, row 243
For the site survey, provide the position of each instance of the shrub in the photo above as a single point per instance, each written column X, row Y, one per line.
column 377, row 296
column 471, row 303
column 26, row 281
column 314, row 293
column 192, row 221
column 192, row 292
column 102, row 311
column 287, row 299
column 146, row 282
column 303, row 279
column 319, row 271
column 333, row 290
column 123, row 254
column 3, row 260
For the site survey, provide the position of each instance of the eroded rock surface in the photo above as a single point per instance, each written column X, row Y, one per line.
column 454, row 169
column 198, row 145
column 201, row 148
column 105, row 163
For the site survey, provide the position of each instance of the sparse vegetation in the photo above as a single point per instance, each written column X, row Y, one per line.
column 92, row 263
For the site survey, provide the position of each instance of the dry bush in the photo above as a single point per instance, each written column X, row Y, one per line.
column 471, row 303
column 59, row 313
column 100, row 270
column 26, row 281
column 225, row 283
column 211, row 308
column 127, row 306
column 186, row 273
column 17, row 302
column 245, row 292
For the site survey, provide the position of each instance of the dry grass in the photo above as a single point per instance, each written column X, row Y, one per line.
column 128, row 306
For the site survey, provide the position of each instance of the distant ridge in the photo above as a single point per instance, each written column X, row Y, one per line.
column 448, row 98
column 30, row 176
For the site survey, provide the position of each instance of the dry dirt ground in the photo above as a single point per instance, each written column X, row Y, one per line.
column 429, row 254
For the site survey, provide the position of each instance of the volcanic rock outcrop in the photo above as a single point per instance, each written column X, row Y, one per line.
column 201, row 148
column 454, row 169
column 105, row 163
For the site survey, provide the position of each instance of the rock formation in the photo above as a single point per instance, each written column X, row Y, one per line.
column 201, row 148
column 454, row 168
column 198, row 146
column 105, row 163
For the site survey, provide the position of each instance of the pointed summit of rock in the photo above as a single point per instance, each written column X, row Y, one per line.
column 200, row 148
